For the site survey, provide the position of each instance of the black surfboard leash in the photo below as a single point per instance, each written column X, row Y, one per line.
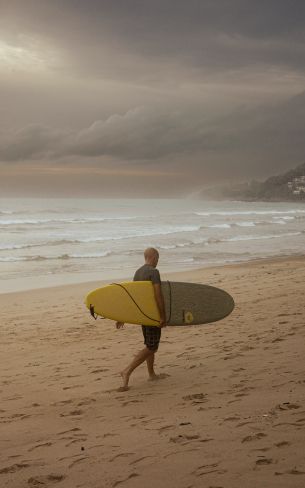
column 139, row 308
column 91, row 308
column 170, row 301
column 134, row 301
column 95, row 315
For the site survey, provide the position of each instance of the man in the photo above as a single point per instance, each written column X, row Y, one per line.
column 152, row 335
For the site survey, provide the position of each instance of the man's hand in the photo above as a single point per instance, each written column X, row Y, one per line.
column 162, row 323
column 119, row 325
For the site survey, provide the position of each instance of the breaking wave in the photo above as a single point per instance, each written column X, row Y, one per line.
column 59, row 257
column 250, row 212
column 88, row 220
column 254, row 238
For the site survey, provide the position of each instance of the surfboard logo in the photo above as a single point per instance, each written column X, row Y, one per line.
column 188, row 317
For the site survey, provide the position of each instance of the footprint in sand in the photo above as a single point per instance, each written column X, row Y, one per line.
column 263, row 449
column 160, row 430
column 118, row 482
column 264, row 461
column 121, row 455
column 254, row 437
column 247, row 422
column 45, row 444
column 291, row 471
column 231, row 419
column 287, row 406
column 72, row 440
column 72, row 387
column 136, row 461
column 15, row 417
column 206, row 469
column 232, row 356
column 184, row 438
column 196, row 398
column 240, row 395
column 45, row 480
column 99, row 370
column 79, row 460
column 62, row 402
column 13, row 468
column 86, row 401
column 282, row 444
column 75, row 429
column 124, row 404
column 73, row 413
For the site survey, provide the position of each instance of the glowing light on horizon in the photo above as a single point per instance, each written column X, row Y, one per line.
column 78, row 170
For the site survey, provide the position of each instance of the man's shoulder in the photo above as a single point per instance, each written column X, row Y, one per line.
column 142, row 269
column 139, row 272
column 147, row 273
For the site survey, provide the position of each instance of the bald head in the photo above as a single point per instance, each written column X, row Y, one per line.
column 151, row 256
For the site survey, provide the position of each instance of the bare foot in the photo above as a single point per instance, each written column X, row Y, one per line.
column 156, row 377
column 125, row 378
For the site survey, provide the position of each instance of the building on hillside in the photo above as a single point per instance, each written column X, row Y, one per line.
column 297, row 185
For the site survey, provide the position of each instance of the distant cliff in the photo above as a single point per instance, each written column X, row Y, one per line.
column 289, row 186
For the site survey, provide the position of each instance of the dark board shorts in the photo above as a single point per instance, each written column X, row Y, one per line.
column 152, row 337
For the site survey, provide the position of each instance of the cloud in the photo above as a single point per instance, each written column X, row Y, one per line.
column 30, row 142
column 205, row 84
column 269, row 135
column 148, row 41
column 144, row 133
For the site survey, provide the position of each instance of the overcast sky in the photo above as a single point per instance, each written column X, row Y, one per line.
column 156, row 97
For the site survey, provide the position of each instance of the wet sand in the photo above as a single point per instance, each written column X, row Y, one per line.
column 229, row 413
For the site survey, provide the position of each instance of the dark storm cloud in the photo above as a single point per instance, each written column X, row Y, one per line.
column 110, row 37
column 139, row 134
column 272, row 134
column 29, row 142
column 207, row 82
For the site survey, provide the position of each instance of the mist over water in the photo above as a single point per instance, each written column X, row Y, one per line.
column 52, row 241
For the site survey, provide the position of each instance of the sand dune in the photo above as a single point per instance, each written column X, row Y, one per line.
column 229, row 412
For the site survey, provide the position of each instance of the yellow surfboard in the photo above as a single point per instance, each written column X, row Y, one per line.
column 134, row 302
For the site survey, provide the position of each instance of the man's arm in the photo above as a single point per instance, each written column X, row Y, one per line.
column 160, row 303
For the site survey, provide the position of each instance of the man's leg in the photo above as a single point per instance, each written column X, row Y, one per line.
column 142, row 356
column 150, row 366
column 152, row 337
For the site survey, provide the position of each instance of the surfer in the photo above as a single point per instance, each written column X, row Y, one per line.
column 152, row 335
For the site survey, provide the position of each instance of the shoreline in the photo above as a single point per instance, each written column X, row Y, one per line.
column 166, row 274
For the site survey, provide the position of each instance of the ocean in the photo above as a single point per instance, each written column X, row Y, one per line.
column 47, row 242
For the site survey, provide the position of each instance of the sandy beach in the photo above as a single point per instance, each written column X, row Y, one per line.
column 229, row 413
